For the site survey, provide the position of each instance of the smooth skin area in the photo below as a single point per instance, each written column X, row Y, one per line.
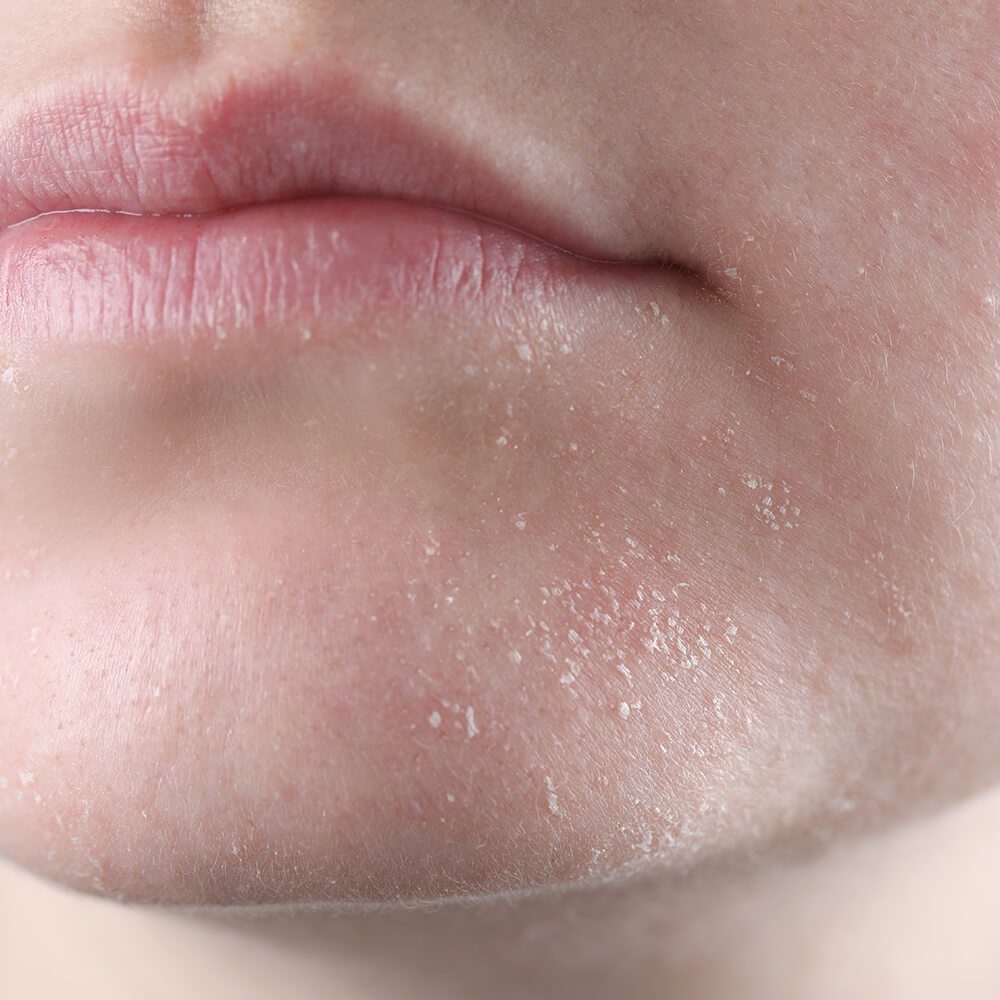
column 658, row 594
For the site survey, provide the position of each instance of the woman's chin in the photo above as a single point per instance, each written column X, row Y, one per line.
column 432, row 615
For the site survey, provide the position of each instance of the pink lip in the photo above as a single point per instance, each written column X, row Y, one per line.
column 262, row 273
column 134, row 217
column 132, row 143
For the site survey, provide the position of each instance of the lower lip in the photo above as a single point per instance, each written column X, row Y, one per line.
column 265, row 275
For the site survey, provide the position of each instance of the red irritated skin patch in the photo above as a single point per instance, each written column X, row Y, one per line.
column 407, row 502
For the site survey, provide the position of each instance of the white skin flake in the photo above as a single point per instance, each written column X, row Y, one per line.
column 11, row 377
column 553, row 800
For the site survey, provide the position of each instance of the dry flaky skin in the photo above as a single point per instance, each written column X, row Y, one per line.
column 441, row 604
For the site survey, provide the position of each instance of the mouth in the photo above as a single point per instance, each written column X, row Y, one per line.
column 253, row 212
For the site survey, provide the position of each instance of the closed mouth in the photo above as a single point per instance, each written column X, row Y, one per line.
column 135, row 213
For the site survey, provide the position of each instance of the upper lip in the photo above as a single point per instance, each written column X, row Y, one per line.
column 127, row 142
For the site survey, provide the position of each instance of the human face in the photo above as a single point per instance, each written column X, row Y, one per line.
column 355, row 549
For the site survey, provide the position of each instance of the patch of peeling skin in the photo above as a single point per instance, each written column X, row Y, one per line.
column 772, row 505
column 465, row 718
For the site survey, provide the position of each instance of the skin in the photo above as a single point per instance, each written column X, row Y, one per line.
column 783, row 445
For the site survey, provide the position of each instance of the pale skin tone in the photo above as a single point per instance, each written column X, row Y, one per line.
column 671, row 620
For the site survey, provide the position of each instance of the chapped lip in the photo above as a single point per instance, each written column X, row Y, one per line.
column 143, row 208
column 132, row 142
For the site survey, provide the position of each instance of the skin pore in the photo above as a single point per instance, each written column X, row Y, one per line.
column 641, row 607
